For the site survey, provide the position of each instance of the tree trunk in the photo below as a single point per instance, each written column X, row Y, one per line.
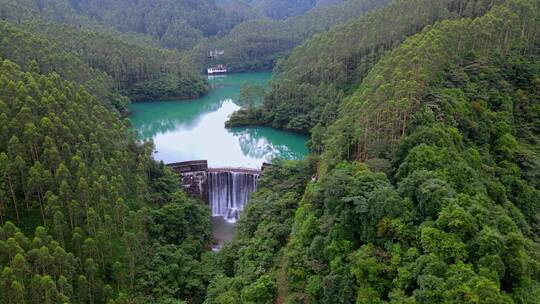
column 13, row 198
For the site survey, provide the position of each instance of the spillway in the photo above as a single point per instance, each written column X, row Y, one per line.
column 229, row 192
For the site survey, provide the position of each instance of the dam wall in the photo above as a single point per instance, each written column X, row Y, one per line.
column 194, row 177
column 225, row 190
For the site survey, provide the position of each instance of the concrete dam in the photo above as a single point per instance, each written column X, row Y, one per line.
column 226, row 190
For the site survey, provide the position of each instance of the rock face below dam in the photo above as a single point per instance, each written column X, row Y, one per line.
column 226, row 190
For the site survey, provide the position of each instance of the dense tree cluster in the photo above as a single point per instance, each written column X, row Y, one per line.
column 257, row 44
column 170, row 87
column 275, row 9
column 380, row 110
column 36, row 53
column 244, row 270
column 282, row 9
column 107, row 62
column 126, row 61
column 318, row 75
column 171, row 23
column 81, row 203
column 63, row 175
column 422, row 187
column 459, row 218
column 427, row 188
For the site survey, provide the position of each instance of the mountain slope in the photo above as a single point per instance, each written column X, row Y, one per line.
column 174, row 24
column 257, row 44
column 108, row 64
column 282, row 9
column 321, row 72
column 63, row 182
column 134, row 66
column 395, row 86
column 85, row 213
column 427, row 188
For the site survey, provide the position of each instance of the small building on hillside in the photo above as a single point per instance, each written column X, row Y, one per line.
column 216, row 54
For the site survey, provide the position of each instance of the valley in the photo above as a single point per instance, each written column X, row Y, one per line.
column 269, row 151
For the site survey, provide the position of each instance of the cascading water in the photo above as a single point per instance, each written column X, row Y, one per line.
column 229, row 192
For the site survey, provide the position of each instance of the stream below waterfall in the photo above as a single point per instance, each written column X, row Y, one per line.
column 195, row 130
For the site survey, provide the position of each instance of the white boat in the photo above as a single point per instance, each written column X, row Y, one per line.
column 220, row 69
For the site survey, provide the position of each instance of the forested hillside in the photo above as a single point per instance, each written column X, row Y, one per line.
column 250, row 40
column 25, row 48
column 177, row 24
column 108, row 63
column 427, row 186
column 85, row 213
column 281, row 9
column 133, row 66
column 422, row 186
column 319, row 74
column 257, row 44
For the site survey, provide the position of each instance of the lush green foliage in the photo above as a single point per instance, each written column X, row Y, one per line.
column 171, row 23
column 180, row 233
column 106, row 62
column 257, row 44
column 428, row 187
column 81, row 204
column 63, row 176
column 25, row 49
column 126, row 61
column 425, row 115
column 275, row 9
column 318, row 75
column 250, row 97
column 378, row 113
column 460, row 218
column 281, row 9
column 245, row 269
column 171, row 87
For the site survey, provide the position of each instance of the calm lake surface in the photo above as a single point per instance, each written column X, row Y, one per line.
column 195, row 129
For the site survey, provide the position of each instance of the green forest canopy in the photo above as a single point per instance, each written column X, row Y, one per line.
column 257, row 44
column 428, row 187
column 422, row 185
column 176, row 24
column 325, row 69
column 107, row 62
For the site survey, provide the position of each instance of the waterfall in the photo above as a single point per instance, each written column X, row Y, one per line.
column 229, row 192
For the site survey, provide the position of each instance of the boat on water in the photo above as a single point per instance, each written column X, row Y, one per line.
column 220, row 69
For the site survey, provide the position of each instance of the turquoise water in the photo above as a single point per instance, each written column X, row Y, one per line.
column 195, row 129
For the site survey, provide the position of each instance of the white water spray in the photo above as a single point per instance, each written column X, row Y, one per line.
column 229, row 193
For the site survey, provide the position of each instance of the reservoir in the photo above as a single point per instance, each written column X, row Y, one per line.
column 195, row 129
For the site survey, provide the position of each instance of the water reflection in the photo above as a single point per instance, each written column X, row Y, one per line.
column 187, row 130
column 266, row 143
column 160, row 117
